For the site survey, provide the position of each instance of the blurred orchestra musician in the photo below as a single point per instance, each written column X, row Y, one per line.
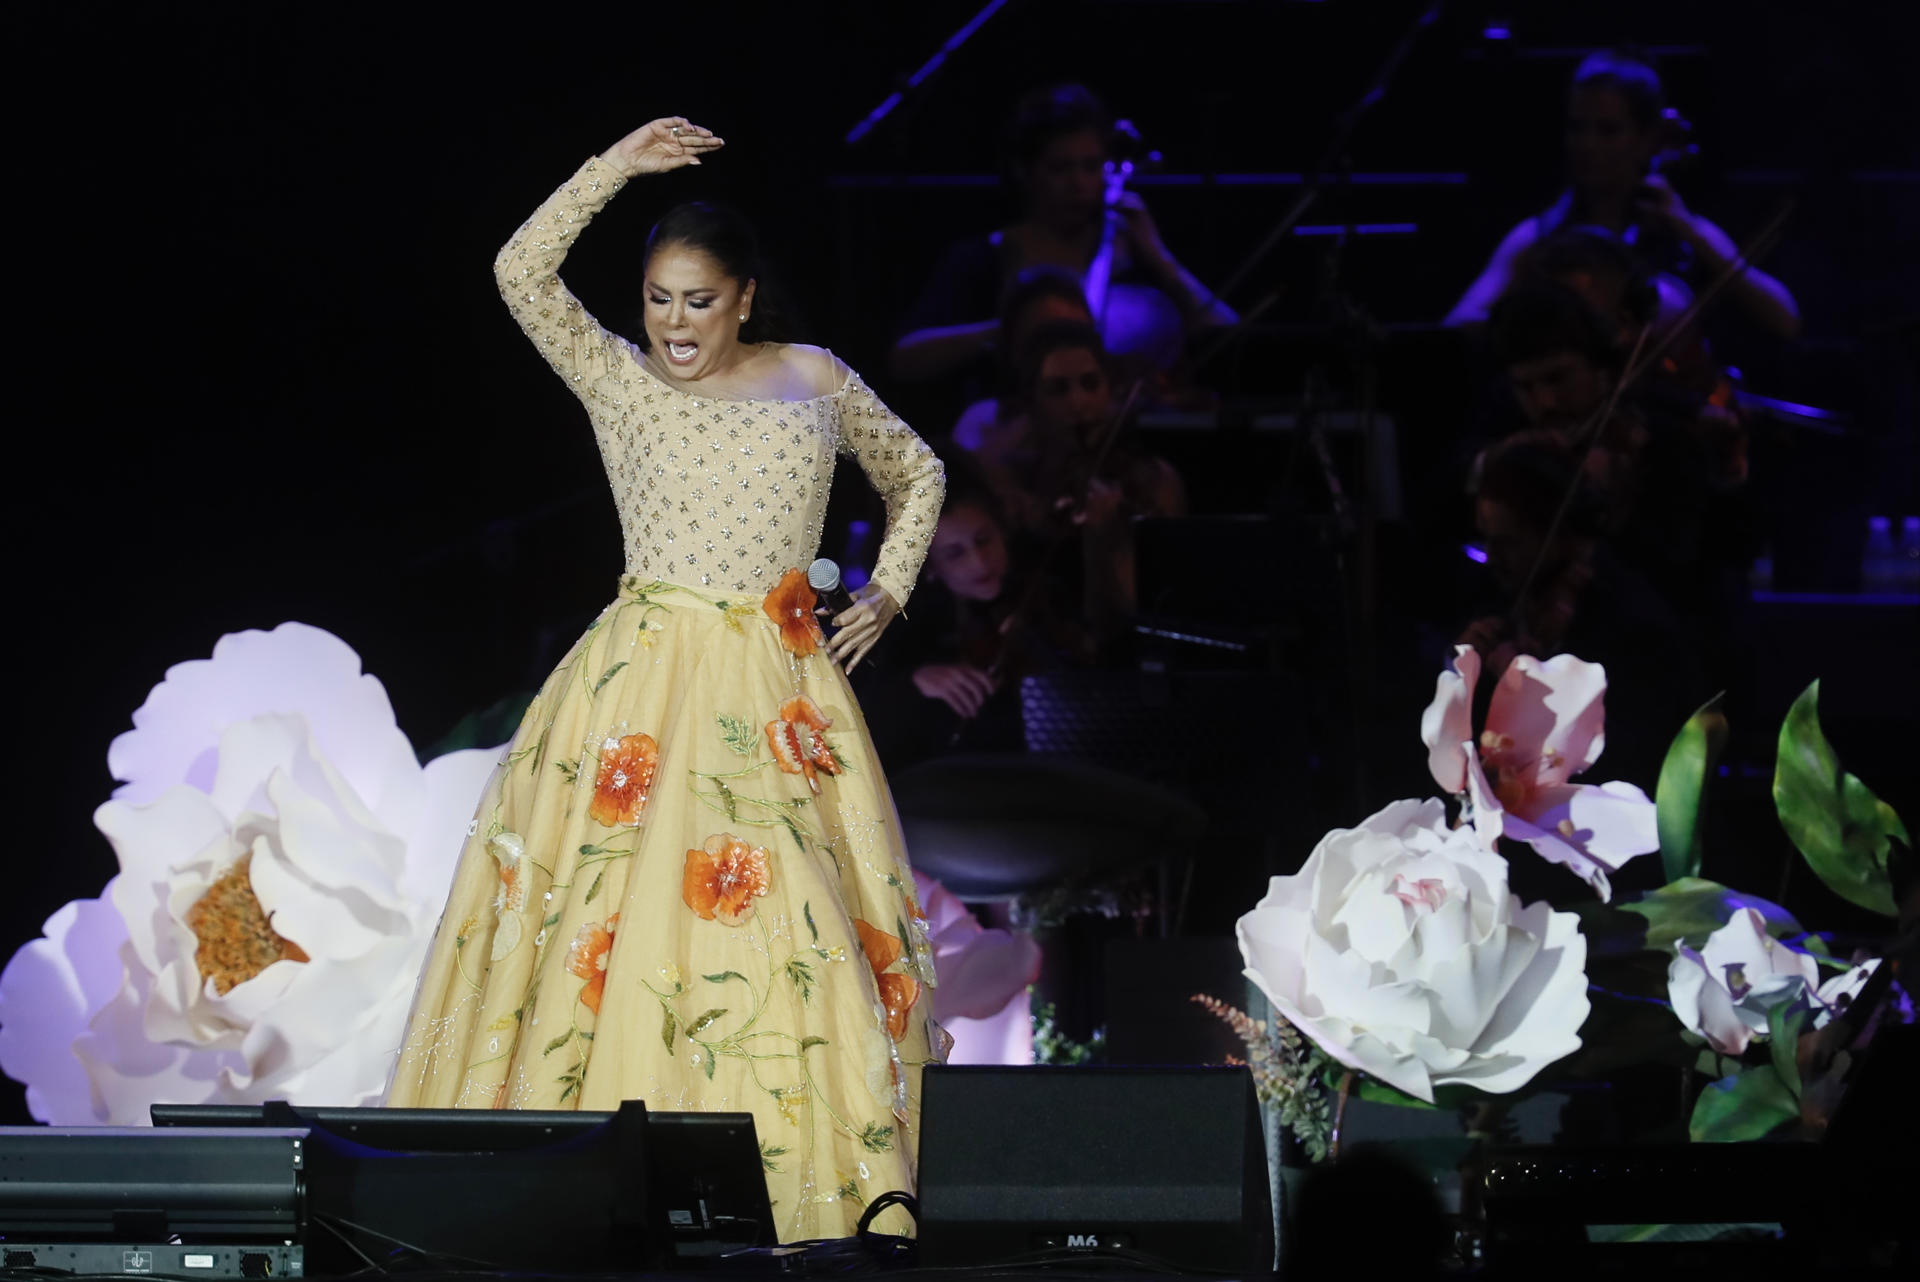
column 1060, row 474
column 1656, row 465
column 951, row 675
column 1619, row 137
column 1076, row 216
column 1037, row 296
column 1564, row 591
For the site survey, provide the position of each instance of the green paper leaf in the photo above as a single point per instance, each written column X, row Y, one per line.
column 808, row 1043
column 1683, row 779
column 806, row 910
column 1785, row 1023
column 556, row 1044
column 607, row 676
column 1748, row 1105
column 703, row 1019
column 725, row 975
column 593, row 891
column 1688, row 910
column 668, row 1027
column 1840, row 826
column 707, row 1063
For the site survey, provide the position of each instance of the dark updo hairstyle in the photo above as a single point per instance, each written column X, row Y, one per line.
column 1529, row 474
column 1595, row 251
column 1030, row 286
column 724, row 235
column 1047, row 114
column 1631, row 76
column 1542, row 318
column 1054, row 336
column 968, row 485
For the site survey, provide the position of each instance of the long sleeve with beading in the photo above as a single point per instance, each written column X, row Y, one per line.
column 908, row 475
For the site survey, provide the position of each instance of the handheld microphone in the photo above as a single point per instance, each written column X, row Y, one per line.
column 823, row 576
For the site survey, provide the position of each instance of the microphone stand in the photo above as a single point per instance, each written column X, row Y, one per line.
column 1334, row 157
column 1350, row 537
column 1352, row 324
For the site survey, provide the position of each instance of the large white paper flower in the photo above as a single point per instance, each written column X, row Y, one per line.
column 1398, row 949
column 283, row 857
column 1545, row 724
column 1727, row 989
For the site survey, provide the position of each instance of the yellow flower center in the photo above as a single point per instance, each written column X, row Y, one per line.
column 237, row 940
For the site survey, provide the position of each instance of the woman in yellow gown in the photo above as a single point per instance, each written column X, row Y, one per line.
column 685, row 883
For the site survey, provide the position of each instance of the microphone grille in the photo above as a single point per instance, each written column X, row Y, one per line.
column 823, row 575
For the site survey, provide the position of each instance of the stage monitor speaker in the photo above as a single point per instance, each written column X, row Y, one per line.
column 612, row 1192
column 1165, row 1165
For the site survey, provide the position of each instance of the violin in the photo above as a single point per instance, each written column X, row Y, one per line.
column 1135, row 321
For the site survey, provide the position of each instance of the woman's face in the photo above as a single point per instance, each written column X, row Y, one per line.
column 1607, row 151
column 969, row 554
column 693, row 311
column 1072, row 394
column 1066, row 184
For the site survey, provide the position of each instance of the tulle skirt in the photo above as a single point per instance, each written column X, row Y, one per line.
column 685, row 884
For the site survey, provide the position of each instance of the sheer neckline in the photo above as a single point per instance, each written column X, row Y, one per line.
column 654, row 372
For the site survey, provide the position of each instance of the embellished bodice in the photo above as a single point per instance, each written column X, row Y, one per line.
column 712, row 491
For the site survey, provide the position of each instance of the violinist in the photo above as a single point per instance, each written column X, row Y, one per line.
column 1686, row 380
column 1058, row 155
column 1066, row 480
column 1618, row 134
column 1565, row 591
column 1038, row 295
column 951, row 676
column 1652, row 459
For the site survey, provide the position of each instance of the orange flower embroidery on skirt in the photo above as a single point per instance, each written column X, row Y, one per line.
column 626, row 772
column 799, row 742
column 790, row 605
column 898, row 992
column 510, row 896
column 587, row 958
column 723, row 878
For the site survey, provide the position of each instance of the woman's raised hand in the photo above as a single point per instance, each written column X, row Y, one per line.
column 661, row 145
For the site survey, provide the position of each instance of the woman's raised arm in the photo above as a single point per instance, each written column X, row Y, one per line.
column 527, row 268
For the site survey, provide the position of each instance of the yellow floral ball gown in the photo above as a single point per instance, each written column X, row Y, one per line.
column 685, row 883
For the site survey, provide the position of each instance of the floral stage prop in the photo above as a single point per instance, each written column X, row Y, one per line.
column 284, row 858
column 1397, row 964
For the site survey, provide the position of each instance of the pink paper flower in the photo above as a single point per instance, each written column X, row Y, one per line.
column 1545, row 724
column 983, row 976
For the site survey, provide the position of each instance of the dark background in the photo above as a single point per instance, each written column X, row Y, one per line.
column 260, row 371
